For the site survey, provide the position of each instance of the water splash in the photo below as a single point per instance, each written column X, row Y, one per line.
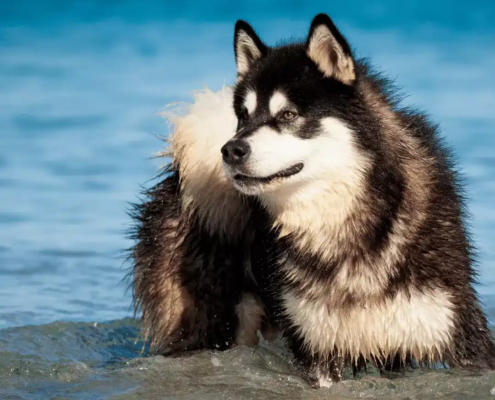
column 88, row 360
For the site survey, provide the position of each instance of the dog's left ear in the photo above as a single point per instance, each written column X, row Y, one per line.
column 248, row 47
column 329, row 50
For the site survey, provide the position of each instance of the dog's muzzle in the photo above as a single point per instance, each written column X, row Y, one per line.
column 235, row 152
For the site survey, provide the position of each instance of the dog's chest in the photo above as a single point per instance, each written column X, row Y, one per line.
column 420, row 324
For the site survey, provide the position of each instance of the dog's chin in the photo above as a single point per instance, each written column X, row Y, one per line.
column 253, row 185
column 249, row 190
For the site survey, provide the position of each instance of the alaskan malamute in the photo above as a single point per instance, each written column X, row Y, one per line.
column 306, row 198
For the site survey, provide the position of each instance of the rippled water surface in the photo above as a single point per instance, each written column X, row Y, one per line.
column 66, row 360
column 81, row 83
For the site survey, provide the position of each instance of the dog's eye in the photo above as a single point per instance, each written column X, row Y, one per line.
column 289, row 115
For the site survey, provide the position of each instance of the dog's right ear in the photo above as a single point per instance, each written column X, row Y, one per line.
column 248, row 47
column 329, row 50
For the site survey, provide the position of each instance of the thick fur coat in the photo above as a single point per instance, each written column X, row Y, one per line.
column 307, row 198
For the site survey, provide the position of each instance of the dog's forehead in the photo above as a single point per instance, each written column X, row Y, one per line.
column 273, row 101
column 284, row 68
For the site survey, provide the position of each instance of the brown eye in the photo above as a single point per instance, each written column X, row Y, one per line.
column 289, row 115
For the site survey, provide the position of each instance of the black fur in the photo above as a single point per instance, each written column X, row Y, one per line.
column 242, row 26
column 439, row 256
column 171, row 246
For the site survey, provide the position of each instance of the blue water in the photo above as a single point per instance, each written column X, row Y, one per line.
column 81, row 84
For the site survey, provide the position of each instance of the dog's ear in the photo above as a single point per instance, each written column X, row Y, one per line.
column 329, row 50
column 248, row 47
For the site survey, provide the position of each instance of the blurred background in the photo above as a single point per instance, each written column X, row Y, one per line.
column 81, row 86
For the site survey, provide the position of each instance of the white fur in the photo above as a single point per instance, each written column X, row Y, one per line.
column 250, row 101
column 322, row 43
column 328, row 185
column 329, row 158
column 324, row 380
column 278, row 102
column 245, row 49
column 195, row 144
column 272, row 152
column 421, row 324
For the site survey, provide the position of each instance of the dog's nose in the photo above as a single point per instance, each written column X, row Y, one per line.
column 235, row 152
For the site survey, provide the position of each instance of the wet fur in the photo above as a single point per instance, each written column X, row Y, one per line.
column 192, row 233
column 375, row 265
column 203, row 281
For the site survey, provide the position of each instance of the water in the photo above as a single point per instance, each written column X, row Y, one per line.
column 81, row 83
column 94, row 361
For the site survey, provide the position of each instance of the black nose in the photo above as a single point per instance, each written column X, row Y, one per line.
column 235, row 152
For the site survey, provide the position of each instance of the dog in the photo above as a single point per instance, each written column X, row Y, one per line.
column 306, row 200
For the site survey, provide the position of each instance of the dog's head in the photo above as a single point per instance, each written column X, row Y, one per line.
column 296, row 105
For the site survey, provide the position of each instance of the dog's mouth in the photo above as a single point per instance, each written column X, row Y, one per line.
column 247, row 179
